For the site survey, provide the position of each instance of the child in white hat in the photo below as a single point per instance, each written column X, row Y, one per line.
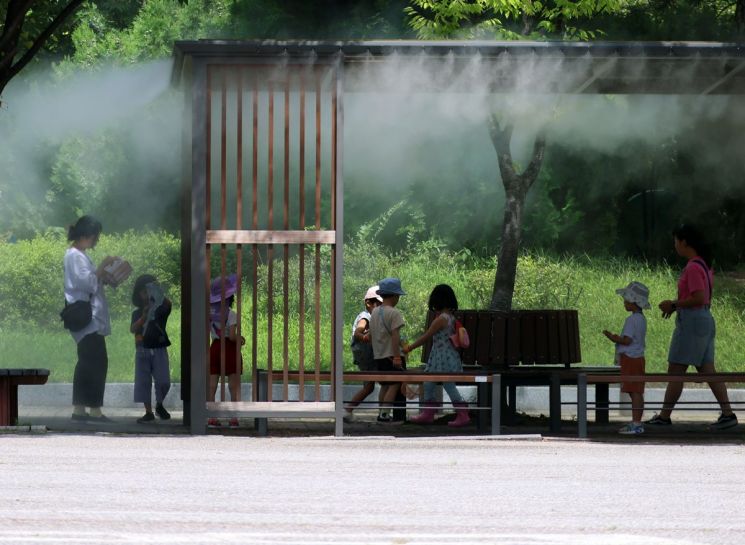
column 362, row 350
column 630, row 350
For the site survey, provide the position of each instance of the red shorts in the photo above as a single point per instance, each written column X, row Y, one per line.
column 632, row 366
column 230, row 353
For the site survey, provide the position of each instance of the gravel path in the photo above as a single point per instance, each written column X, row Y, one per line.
column 68, row 489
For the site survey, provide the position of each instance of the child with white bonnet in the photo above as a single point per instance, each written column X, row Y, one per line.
column 630, row 350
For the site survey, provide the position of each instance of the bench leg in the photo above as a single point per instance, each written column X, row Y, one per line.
column 582, row 405
column 496, row 405
column 261, row 424
column 512, row 401
column 601, row 403
column 554, row 402
column 482, row 401
column 6, row 403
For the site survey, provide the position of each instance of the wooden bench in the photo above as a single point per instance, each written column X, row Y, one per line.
column 593, row 378
column 488, row 388
column 519, row 337
column 492, row 387
column 10, row 379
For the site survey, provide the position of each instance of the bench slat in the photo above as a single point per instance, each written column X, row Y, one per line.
column 272, row 409
column 663, row 377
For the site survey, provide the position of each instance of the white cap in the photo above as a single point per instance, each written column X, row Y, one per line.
column 372, row 294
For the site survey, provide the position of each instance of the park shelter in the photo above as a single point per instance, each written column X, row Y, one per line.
column 263, row 184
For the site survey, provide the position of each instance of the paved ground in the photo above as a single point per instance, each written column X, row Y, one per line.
column 110, row 488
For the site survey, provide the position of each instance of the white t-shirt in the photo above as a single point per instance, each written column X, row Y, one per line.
column 82, row 284
column 232, row 320
column 635, row 327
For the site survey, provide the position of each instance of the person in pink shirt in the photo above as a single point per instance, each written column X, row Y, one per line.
column 693, row 338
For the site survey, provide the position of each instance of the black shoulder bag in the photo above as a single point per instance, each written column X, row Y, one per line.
column 75, row 316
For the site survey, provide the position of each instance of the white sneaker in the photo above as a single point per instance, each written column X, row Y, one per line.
column 632, row 429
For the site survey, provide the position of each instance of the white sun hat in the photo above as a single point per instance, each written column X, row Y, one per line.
column 636, row 293
column 372, row 294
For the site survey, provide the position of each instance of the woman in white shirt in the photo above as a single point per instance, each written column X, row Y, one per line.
column 84, row 281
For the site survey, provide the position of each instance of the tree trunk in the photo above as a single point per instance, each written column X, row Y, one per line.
column 516, row 188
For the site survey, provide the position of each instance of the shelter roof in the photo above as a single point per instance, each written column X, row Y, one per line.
column 563, row 67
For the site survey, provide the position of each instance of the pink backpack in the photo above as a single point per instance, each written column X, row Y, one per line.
column 460, row 338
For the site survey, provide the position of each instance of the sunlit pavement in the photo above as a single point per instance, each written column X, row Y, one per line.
column 93, row 488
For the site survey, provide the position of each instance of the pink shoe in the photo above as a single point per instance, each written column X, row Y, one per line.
column 213, row 423
column 461, row 418
column 234, row 423
column 426, row 416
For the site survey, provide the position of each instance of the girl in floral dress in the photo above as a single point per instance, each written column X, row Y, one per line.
column 443, row 358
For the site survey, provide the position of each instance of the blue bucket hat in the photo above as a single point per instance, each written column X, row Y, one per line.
column 390, row 286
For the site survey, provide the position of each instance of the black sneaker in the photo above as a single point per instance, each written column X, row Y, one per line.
column 161, row 411
column 103, row 419
column 80, row 417
column 724, row 422
column 148, row 417
column 657, row 420
column 385, row 418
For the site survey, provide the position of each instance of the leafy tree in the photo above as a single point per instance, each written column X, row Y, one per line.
column 508, row 19
column 29, row 25
column 320, row 19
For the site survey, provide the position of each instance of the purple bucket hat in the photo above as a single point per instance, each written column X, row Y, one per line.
column 216, row 287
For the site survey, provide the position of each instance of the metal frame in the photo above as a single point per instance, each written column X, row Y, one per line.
column 601, row 68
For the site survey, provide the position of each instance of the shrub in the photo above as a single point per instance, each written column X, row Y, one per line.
column 31, row 273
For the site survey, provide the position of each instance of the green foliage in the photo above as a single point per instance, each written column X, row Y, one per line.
column 28, row 269
column 31, row 273
column 319, row 20
column 156, row 25
column 508, row 19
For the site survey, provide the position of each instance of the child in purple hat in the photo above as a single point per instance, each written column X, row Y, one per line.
column 224, row 329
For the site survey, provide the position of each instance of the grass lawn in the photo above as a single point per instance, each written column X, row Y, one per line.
column 584, row 283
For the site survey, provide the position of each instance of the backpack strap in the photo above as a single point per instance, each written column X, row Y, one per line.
column 703, row 265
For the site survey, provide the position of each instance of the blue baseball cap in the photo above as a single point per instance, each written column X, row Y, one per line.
column 390, row 286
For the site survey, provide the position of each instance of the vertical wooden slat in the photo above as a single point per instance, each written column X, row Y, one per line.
column 527, row 337
column 254, row 225
column 575, row 331
column 485, row 335
column 208, row 219
column 270, row 247
column 553, row 336
column 318, row 246
column 286, row 247
column 223, row 218
column 301, row 272
column 564, row 337
column 239, row 215
column 541, row 339
column 470, row 323
column 512, row 354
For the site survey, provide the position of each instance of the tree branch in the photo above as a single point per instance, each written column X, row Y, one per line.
column 500, row 138
column 41, row 40
column 539, row 150
column 13, row 23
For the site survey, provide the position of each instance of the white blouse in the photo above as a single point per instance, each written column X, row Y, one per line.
column 81, row 283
